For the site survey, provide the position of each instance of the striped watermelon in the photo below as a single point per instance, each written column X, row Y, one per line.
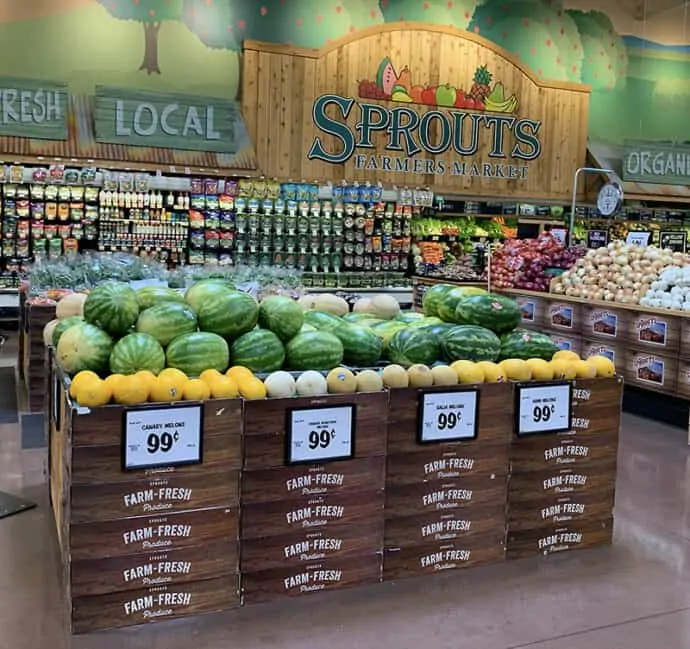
column 385, row 330
column 322, row 321
column 166, row 321
column 449, row 301
column 136, row 352
column 281, row 315
column 412, row 346
column 426, row 322
column 319, row 350
column 63, row 325
column 113, row 307
column 432, row 298
column 259, row 350
column 148, row 296
column 361, row 346
column 409, row 316
column 470, row 343
column 205, row 291
column 356, row 317
column 198, row 351
column 495, row 312
column 229, row 314
column 524, row 345
column 84, row 347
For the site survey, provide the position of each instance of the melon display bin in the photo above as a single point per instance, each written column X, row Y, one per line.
column 243, row 511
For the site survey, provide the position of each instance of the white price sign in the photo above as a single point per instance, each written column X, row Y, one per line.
column 169, row 436
column 448, row 416
column 320, row 434
column 637, row 239
column 544, row 408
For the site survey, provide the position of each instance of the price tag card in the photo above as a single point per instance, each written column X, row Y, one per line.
column 448, row 416
column 543, row 408
column 162, row 436
column 320, row 434
column 637, row 239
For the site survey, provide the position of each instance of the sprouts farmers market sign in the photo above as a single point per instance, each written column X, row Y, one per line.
column 412, row 139
column 661, row 164
column 149, row 119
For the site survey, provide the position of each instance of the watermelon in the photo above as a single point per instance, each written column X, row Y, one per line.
column 84, row 347
column 259, row 350
column 371, row 322
column 432, row 298
column 136, row 352
column 470, row 343
column 322, row 321
column 205, row 291
column 357, row 317
column 412, row 346
column 166, row 321
column 229, row 314
column 198, row 351
column 495, row 312
column 361, row 346
column 113, row 307
column 524, row 345
column 409, row 316
column 307, row 328
column 386, row 329
column 319, row 350
column 437, row 329
column 426, row 322
column 281, row 315
column 149, row 296
column 64, row 325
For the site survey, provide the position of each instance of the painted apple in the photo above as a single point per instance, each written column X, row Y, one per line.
column 459, row 99
column 445, row 95
column 429, row 96
column 417, row 93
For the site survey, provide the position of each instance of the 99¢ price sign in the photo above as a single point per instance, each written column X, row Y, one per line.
column 543, row 408
column 168, row 436
column 448, row 416
column 320, row 434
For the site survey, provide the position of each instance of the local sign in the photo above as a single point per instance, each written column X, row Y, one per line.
column 662, row 164
column 413, row 139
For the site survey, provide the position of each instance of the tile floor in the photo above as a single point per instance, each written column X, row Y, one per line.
column 634, row 595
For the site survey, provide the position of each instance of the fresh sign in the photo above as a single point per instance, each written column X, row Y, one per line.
column 31, row 108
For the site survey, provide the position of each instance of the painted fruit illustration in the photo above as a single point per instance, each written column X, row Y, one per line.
column 416, row 93
column 481, row 88
column 386, row 77
column 429, row 96
column 445, row 95
column 400, row 94
column 497, row 102
column 404, row 79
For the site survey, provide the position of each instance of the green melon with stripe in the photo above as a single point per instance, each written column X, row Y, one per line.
column 149, row 296
column 361, row 346
column 412, row 346
column 495, row 312
column 470, row 343
column 229, row 314
column 136, row 352
column 205, row 291
column 167, row 321
column 259, row 350
column 113, row 307
column 385, row 330
column 318, row 350
column 281, row 315
column 448, row 302
column 356, row 317
column 409, row 316
column 63, row 325
column 84, row 347
column 437, row 329
column 524, row 345
column 198, row 351
column 322, row 321
column 426, row 322
column 432, row 298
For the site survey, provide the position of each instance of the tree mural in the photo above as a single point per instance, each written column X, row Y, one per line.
column 605, row 55
column 151, row 14
column 456, row 13
column 540, row 33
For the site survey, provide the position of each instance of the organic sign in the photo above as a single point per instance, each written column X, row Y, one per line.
column 665, row 164
column 162, row 120
column 31, row 108
column 410, row 134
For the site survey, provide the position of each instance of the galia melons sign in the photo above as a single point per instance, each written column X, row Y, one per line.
column 481, row 122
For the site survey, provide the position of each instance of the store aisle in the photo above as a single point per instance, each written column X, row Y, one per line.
column 634, row 595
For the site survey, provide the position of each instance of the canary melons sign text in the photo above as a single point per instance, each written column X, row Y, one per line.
column 413, row 140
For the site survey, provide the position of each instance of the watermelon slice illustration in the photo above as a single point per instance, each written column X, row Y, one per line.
column 386, row 76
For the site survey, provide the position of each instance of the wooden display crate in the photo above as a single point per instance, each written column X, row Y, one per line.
column 563, row 316
column 563, row 509
column 609, row 324
column 646, row 369
column 533, row 310
column 571, row 343
column 684, row 343
column 318, row 525
column 654, row 333
column 616, row 352
column 35, row 370
column 683, row 379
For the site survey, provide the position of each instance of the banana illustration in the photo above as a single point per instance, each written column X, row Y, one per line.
column 509, row 105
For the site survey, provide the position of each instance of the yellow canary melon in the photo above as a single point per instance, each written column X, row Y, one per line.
column 147, row 376
column 251, row 388
column 420, row 376
column 369, row 381
column 236, row 372
column 208, row 376
column 603, row 365
column 167, row 387
column 85, row 376
column 563, row 369
column 113, row 380
column 444, row 375
column 341, row 381
column 196, row 390
column 493, row 373
column 173, row 373
column 395, row 377
column 224, row 387
column 565, row 355
column 468, row 373
column 130, row 390
column 93, row 393
column 516, row 369
column 541, row 370
column 584, row 370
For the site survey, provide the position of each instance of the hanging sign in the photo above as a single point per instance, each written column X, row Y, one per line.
column 543, row 408
column 320, row 434
column 448, row 416
column 33, row 108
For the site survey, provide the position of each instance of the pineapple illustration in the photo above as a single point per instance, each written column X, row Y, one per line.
column 481, row 88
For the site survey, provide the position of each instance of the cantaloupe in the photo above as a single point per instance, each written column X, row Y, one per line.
column 369, row 381
column 541, row 370
column 603, row 365
column 516, row 369
column 311, row 384
column 420, row 376
column 444, row 375
column 492, row 372
column 307, row 302
column 468, row 373
column 280, row 385
column 395, row 377
column 385, row 307
column 331, row 304
column 70, row 305
column 364, row 305
column 340, row 380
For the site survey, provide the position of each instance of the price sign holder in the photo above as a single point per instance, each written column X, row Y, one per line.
column 448, row 416
column 146, row 447
column 675, row 240
column 638, row 238
column 543, row 408
column 318, row 434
